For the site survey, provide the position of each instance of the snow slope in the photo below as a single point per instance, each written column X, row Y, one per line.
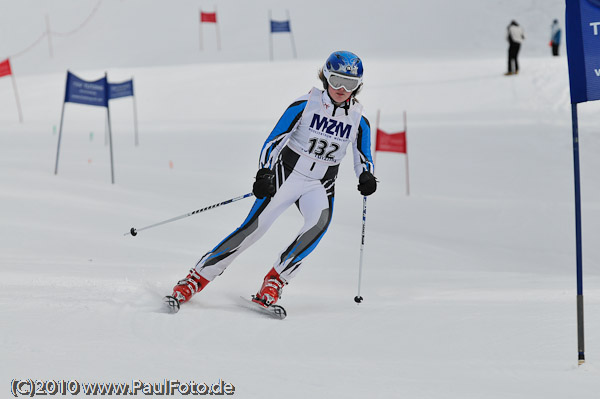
column 469, row 282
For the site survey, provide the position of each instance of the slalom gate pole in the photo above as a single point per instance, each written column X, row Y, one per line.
column 62, row 117
column 578, row 239
column 110, row 142
column 135, row 231
column 358, row 298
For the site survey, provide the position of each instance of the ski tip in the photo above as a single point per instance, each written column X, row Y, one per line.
column 274, row 311
column 172, row 304
column 279, row 311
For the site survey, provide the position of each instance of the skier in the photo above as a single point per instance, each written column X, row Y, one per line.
column 298, row 165
column 515, row 37
column 555, row 33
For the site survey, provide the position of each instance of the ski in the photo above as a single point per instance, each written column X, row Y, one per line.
column 274, row 311
column 172, row 304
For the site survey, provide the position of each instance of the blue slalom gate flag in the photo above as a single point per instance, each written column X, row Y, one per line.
column 118, row 90
column 583, row 49
column 85, row 92
column 280, row 26
column 125, row 89
column 88, row 93
column 583, row 52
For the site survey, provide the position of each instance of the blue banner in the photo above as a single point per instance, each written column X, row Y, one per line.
column 280, row 26
column 83, row 92
column 118, row 90
column 583, row 49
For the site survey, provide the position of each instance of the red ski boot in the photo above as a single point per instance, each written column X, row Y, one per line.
column 185, row 289
column 270, row 292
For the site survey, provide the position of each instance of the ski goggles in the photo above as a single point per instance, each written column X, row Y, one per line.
column 349, row 83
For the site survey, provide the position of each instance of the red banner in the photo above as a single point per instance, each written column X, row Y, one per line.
column 5, row 68
column 390, row 142
column 208, row 17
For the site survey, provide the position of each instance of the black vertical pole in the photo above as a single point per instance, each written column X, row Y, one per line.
column 406, row 156
column 291, row 34
column 580, row 336
column 112, row 171
column 14, row 82
column 200, row 31
column 62, row 115
column 135, row 123
column 270, row 36
column 376, row 134
column 217, row 30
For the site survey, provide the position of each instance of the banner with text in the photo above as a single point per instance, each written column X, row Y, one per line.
column 89, row 93
column 118, row 90
column 583, row 49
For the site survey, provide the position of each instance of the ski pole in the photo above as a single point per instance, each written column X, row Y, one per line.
column 135, row 231
column 358, row 298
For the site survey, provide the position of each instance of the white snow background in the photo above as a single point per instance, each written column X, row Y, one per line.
column 468, row 283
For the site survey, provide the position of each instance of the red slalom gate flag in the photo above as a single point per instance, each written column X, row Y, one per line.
column 208, row 17
column 390, row 142
column 5, row 68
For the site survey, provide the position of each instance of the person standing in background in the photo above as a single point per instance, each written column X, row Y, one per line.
column 555, row 33
column 515, row 37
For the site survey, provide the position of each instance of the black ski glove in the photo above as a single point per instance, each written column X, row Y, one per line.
column 367, row 183
column 264, row 186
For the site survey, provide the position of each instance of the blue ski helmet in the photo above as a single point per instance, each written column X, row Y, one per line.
column 343, row 69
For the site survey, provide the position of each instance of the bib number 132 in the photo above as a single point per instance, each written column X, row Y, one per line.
column 322, row 148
